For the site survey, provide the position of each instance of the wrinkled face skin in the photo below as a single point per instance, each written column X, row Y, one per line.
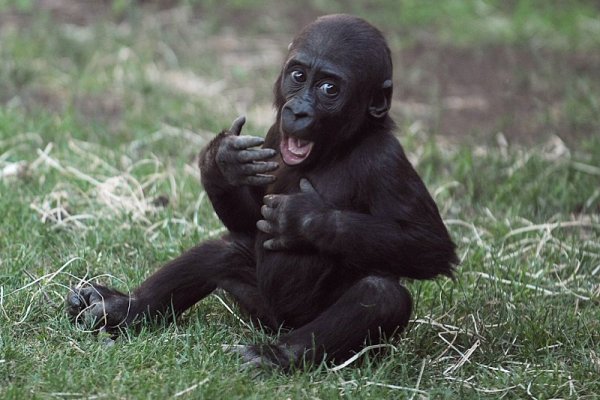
column 334, row 86
column 315, row 92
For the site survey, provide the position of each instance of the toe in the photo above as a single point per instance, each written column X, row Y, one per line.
column 74, row 300
column 75, row 303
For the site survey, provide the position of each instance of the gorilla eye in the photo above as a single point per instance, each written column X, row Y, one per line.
column 329, row 89
column 298, row 76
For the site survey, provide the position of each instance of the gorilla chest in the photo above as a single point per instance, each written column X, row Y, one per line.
column 302, row 281
column 341, row 187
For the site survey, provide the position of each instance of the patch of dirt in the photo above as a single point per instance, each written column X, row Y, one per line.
column 78, row 12
column 106, row 108
column 527, row 94
column 522, row 93
column 51, row 100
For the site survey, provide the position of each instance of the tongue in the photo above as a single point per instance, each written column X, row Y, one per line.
column 294, row 150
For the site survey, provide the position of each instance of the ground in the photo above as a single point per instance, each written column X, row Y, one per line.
column 525, row 91
column 104, row 106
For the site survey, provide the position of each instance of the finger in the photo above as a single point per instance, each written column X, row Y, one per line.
column 255, row 154
column 96, row 298
column 74, row 300
column 258, row 180
column 80, row 295
column 74, row 303
column 236, row 126
column 245, row 141
column 256, row 168
column 306, row 186
column 272, row 200
column 264, row 226
column 275, row 244
column 267, row 212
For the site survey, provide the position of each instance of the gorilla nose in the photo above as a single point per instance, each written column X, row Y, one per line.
column 297, row 117
column 300, row 114
column 298, row 110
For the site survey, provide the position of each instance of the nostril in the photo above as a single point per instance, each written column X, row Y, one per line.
column 300, row 114
column 296, row 111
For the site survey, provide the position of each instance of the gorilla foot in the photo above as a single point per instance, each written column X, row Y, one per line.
column 99, row 306
column 265, row 356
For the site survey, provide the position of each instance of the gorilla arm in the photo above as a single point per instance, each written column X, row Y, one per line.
column 233, row 173
column 387, row 241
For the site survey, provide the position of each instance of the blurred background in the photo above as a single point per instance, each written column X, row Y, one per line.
column 464, row 69
column 104, row 106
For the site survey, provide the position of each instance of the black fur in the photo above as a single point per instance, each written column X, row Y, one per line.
column 318, row 245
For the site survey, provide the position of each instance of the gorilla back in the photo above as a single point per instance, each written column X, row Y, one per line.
column 324, row 216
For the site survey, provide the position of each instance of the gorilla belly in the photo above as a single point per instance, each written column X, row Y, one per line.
column 298, row 286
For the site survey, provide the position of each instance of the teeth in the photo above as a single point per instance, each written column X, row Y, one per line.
column 295, row 150
column 298, row 144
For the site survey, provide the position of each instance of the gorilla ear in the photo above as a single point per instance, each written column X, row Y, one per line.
column 382, row 100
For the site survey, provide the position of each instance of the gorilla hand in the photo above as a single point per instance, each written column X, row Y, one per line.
column 239, row 163
column 291, row 219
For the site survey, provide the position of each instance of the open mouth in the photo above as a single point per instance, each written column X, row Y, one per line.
column 293, row 150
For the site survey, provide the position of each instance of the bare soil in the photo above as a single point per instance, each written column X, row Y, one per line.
column 521, row 92
column 525, row 93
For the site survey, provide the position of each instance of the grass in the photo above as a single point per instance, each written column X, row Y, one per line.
column 100, row 121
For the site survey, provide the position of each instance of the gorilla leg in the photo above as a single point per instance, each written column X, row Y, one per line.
column 246, row 294
column 181, row 283
column 371, row 309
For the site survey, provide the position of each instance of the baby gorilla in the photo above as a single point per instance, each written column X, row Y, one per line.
column 323, row 220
